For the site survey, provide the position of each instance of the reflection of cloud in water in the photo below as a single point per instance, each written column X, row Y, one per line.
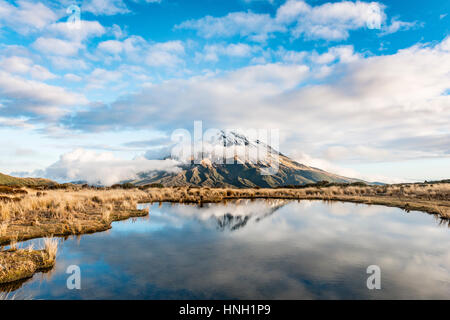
column 304, row 250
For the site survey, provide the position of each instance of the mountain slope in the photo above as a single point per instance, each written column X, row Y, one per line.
column 6, row 180
column 242, row 173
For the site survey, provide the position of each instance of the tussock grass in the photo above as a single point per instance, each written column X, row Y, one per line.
column 66, row 212
column 17, row 264
column 51, row 248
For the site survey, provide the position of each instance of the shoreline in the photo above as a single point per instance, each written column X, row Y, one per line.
column 76, row 212
column 61, row 229
column 22, row 264
column 86, row 213
column 19, row 264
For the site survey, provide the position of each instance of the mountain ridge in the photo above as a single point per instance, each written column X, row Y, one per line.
column 242, row 173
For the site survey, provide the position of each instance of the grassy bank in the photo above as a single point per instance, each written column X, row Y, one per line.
column 29, row 213
column 18, row 264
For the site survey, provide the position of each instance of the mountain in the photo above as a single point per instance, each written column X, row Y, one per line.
column 242, row 173
column 6, row 180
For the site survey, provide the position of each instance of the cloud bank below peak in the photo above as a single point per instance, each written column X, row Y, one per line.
column 101, row 168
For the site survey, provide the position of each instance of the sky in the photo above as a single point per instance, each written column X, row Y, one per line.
column 94, row 89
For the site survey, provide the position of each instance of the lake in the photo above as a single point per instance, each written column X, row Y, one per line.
column 255, row 250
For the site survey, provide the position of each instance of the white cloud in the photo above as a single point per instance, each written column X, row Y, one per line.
column 15, row 122
column 86, row 30
column 361, row 101
column 55, row 46
column 65, row 63
column 343, row 54
column 212, row 52
column 110, row 7
column 16, row 64
column 330, row 166
column 397, row 25
column 105, row 7
column 134, row 48
column 40, row 73
column 103, row 168
column 111, row 46
column 330, row 21
column 99, row 78
column 72, row 77
column 23, row 65
column 246, row 24
column 35, row 98
column 165, row 54
column 117, row 31
column 26, row 16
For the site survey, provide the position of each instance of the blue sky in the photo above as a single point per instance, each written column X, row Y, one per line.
column 358, row 88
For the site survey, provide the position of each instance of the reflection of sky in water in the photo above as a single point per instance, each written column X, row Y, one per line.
column 292, row 250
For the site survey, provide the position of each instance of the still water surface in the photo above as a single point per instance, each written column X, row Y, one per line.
column 256, row 250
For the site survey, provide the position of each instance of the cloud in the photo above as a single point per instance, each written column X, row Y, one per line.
column 55, row 46
column 105, row 7
column 72, row 77
column 110, row 7
column 331, row 166
column 397, row 25
column 26, row 16
column 16, row 64
column 344, row 54
column 15, row 123
column 203, row 97
column 22, row 65
column 133, row 46
column 165, row 54
column 269, row 1
column 86, row 30
column 212, row 52
column 154, row 54
column 103, row 168
column 361, row 101
column 111, row 46
column 99, row 78
column 67, row 63
column 329, row 21
column 246, row 24
column 31, row 98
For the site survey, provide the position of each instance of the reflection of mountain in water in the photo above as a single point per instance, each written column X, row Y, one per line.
column 230, row 222
column 234, row 222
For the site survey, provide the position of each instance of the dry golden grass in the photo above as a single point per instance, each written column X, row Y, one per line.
column 17, row 264
column 66, row 212
column 51, row 248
